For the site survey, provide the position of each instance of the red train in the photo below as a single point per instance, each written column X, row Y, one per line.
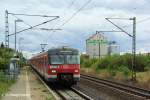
column 58, row 64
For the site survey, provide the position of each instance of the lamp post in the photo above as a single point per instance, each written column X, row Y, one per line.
column 20, row 53
column 19, row 43
column 15, row 67
column 18, row 20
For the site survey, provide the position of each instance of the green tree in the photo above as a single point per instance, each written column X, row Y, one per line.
column 2, row 45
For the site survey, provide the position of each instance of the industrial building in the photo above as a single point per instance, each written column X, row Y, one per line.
column 98, row 45
column 113, row 48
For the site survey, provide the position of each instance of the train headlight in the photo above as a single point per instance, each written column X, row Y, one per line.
column 54, row 66
column 53, row 71
column 76, row 70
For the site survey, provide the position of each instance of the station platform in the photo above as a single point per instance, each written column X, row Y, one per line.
column 27, row 87
column 21, row 89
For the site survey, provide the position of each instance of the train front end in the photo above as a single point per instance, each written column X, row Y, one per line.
column 64, row 65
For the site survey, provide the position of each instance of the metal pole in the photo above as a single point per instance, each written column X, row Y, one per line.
column 6, row 30
column 15, row 51
column 99, row 50
column 19, row 44
column 134, row 50
column 133, row 43
column 15, row 36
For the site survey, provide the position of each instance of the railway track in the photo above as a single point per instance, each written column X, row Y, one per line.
column 123, row 87
column 62, row 93
column 71, row 94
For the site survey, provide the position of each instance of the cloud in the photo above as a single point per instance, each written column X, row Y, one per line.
column 85, row 23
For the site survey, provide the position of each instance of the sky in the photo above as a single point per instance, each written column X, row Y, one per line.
column 76, row 29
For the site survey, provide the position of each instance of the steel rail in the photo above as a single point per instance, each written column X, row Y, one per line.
column 72, row 94
column 81, row 94
column 124, row 87
column 55, row 92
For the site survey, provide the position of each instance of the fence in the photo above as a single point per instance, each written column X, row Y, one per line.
column 6, row 75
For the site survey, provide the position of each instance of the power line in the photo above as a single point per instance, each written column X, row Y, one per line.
column 71, row 4
column 120, row 18
column 133, row 36
column 46, row 29
column 22, row 21
column 30, row 27
column 34, row 26
column 110, row 31
column 74, row 14
column 118, row 26
column 143, row 20
column 33, row 15
column 14, row 14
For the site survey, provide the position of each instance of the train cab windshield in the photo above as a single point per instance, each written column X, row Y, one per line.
column 64, row 59
column 57, row 59
column 72, row 59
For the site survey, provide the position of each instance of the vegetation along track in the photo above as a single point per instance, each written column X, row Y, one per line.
column 123, row 87
column 64, row 93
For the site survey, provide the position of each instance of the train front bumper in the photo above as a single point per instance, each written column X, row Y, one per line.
column 53, row 78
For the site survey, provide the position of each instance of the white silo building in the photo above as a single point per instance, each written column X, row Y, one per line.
column 97, row 45
column 113, row 48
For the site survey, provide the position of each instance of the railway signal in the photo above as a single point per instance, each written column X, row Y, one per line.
column 43, row 47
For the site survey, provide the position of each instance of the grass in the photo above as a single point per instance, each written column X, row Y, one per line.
column 50, row 98
column 107, row 73
column 118, row 68
column 5, row 84
column 143, row 79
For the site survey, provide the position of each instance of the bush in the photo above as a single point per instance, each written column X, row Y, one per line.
column 141, row 62
column 111, row 70
column 117, row 62
column 125, row 70
column 6, row 54
column 87, row 63
column 103, row 63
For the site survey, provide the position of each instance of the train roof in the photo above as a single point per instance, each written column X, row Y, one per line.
column 58, row 50
column 39, row 54
column 63, row 50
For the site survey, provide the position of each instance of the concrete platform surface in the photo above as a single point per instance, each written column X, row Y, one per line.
column 21, row 89
column 27, row 87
